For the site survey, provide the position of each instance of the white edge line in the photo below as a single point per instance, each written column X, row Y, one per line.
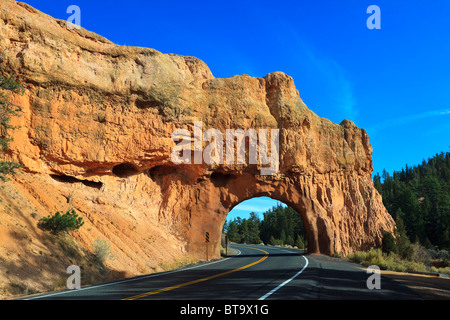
column 286, row 282
column 126, row 280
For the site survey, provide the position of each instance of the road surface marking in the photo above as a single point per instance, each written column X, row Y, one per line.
column 266, row 254
column 124, row 281
column 286, row 282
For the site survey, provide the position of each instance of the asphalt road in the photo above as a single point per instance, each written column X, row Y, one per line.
column 256, row 273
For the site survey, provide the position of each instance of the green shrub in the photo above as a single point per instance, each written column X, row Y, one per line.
column 420, row 254
column 445, row 270
column 366, row 257
column 101, row 250
column 61, row 223
column 388, row 243
column 396, row 262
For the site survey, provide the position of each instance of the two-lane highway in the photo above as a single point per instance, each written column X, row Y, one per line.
column 256, row 273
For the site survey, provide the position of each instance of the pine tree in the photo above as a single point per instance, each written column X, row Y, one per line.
column 388, row 243
column 282, row 237
column 422, row 192
column 61, row 223
column 272, row 241
column 232, row 230
column 8, row 85
column 299, row 242
column 290, row 241
column 405, row 249
column 281, row 225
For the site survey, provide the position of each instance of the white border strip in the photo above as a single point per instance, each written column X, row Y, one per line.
column 286, row 282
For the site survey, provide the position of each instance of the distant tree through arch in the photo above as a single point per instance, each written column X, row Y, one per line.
column 277, row 225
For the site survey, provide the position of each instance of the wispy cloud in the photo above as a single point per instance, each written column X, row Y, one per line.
column 403, row 120
column 331, row 75
column 249, row 208
column 338, row 84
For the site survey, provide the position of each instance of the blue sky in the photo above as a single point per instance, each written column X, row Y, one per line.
column 394, row 82
column 257, row 205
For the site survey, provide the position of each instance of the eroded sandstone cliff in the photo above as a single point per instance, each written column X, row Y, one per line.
column 97, row 120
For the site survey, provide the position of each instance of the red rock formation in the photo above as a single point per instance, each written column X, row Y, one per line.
column 101, row 116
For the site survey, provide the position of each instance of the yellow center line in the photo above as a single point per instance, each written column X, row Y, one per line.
column 142, row 295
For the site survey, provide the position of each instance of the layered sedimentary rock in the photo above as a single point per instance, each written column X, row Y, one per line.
column 99, row 117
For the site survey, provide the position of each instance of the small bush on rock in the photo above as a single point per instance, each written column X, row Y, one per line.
column 61, row 222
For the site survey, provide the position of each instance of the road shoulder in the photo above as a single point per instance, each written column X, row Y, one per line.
column 428, row 287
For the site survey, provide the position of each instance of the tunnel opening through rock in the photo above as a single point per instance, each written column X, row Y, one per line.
column 268, row 221
column 220, row 179
column 158, row 171
column 70, row 179
column 125, row 170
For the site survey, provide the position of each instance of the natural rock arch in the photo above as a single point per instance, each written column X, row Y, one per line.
column 99, row 112
column 330, row 228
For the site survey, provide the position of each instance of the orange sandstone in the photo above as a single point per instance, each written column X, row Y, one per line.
column 97, row 123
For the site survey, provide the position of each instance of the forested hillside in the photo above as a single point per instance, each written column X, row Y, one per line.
column 419, row 197
column 280, row 225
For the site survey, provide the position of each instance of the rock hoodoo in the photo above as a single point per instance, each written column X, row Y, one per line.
column 98, row 118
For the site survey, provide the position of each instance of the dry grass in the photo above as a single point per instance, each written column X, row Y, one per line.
column 393, row 262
